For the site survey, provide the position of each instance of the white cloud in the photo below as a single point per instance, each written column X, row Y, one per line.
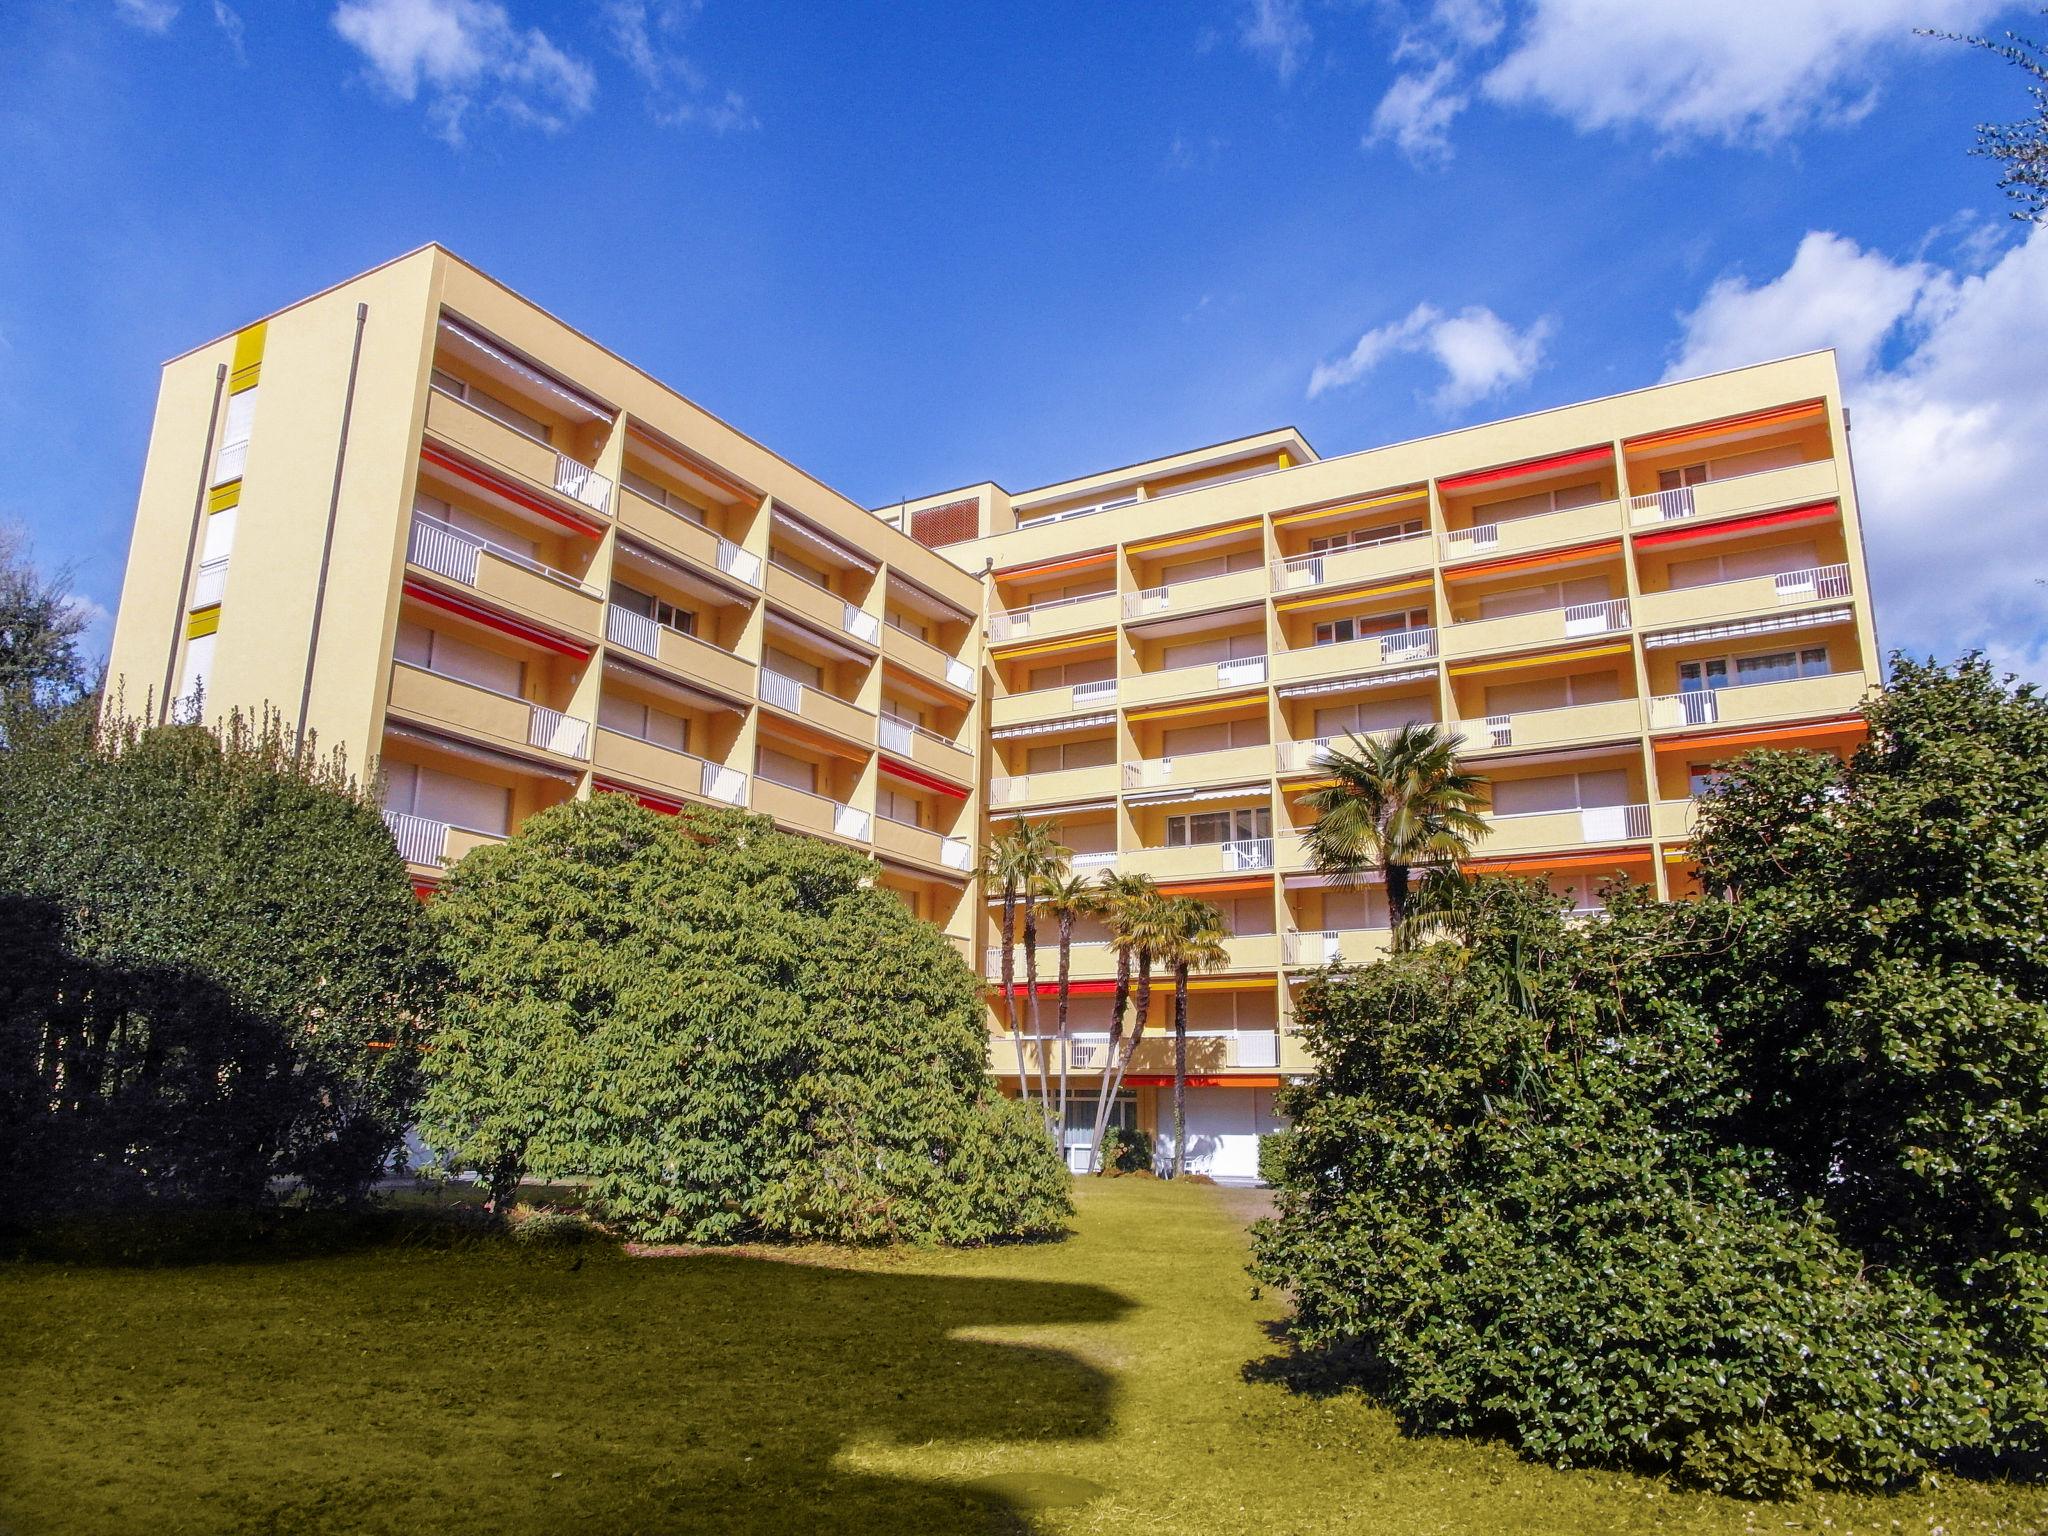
column 644, row 33
column 1417, row 111
column 456, row 52
column 1277, row 32
column 1480, row 353
column 230, row 23
column 1726, row 69
column 149, row 15
column 1941, row 372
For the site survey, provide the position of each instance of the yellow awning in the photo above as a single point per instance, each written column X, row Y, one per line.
column 1048, row 647
column 1223, row 983
column 1542, row 659
column 1384, row 499
column 1175, row 541
column 1206, row 707
column 1356, row 595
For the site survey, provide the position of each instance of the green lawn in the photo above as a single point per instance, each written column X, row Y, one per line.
column 1093, row 1385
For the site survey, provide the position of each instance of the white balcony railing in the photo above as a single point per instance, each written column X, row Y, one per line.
column 955, row 853
column 1465, row 541
column 582, row 483
column 420, row 840
column 1011, row 623
column 1596, row 618
column 848, row 822
column 1662, row 506
column 726, row 785
column 1240, row 671
column 1327, row 946
column 211, row 582
column 1408, row 644
column 783, row 692
column 1820, row 581
column 860, row 624
column 228, row 465
column 1103, row 859
column 1048, row 958
column 634, row 631
column 1098, row 692
column 454, row 552
column 1248, row 853
column 1614, row 823
column 1697, row 708
column 739, row 564
column 557, row 732
column 959, row 674
column 901, row 736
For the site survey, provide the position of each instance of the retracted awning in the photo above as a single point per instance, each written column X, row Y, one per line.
column 1399, row 498
column 514, row 761
column 490, row 618
column 1053, row 727
column 668, row 688
column 1731, row 527
column 1527, row 469
column 818, row 539
column 1187, row 796
column 1355, row 595
column 1728, row 426
column 1361, row 683
column 1776, row 623
column 477, row 348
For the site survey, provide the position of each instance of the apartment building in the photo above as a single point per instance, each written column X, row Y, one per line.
column 455, row 536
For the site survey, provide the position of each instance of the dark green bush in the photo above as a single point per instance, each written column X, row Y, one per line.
column 731, row 1032
column 1273, row 1156
column 1127, row 1151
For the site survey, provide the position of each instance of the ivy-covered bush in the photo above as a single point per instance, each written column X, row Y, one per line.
column 731, row 1032
column 1127, row 1150
column 212, row 968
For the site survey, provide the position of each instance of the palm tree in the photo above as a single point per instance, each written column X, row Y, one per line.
column 1193, row 942
column 1122, row 897
column 1002, row 868
column 1398, row 802
column 1067, row 898
column 1145, row 930
column 1041, row 856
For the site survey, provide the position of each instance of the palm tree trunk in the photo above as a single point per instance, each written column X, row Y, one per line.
column 1010, row 986
column 1065, row 982
column 1397, row 902
column 1031, row 1004
column 1180, row 1068
column 1144, row 995
column 1118, row 1003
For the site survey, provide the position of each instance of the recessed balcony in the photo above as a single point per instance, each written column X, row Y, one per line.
column 504, row 575
column 1393, row 556
column 693, row 541
column 806, row 812
column 1219, row 765
column 1546, row 830
column 1203, row 678
column 1815, row 481
column 1196, row 595
column 1239, row 856
column 665, row 768
column 1398, row 648
column 922, row 845
column 1759, row 703
column 821, row 605
column 476, row 711
column 1053, row 703
column 927, row 660
column 483, row 436
column 1099, row 781
column 694, row 659
column 1542, row 530
column 432, row 845
column 1563, row 726
column 815, row 705
column 1745, row 595
column 1057, row 616
column 1509, row 632
column 926, row 748
column 1336, row 946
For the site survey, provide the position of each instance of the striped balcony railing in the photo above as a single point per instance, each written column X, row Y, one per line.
column 420, row 840
column 211, row 582
column 739, row 564
column 580, row 482
column 557, row 732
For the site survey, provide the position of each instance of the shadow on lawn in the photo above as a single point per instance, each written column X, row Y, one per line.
column 474, row 1390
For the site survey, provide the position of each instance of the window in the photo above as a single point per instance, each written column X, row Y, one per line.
column 1547, row 595
column 1209, row 565
column 445, row 797
column 648, row 606
column 1365, row 625
column 1247, row 916
column 1537, row 503
column 781, row 768
column 1051, row 757
column 450, row 656
column 1560, row 792
column 906, row 622
column 498, row 410
column 1214, row 737
column 1553, row 692
column 630, row 717
column 795, row 668
column 1773, row 560
column 1362, row 538
column 198, row 666
column 1372, row 715
column 1100, row 670
column 1675, row 479
column 1758, row 667
column 1701, row 782
column 894, row 805
column 802, row 569
column 896, row 709
column 234, row 437
column 1202, row 828
column 1197, row 653
column 660, row 495
column 1365, row 907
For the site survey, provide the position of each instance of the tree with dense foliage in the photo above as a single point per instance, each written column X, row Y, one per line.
column 1067, row 898
column 1753, row 1188
column 1004, row 869
column 1143, row 927
column 1193, row 941
column 1038, row 856
column 2020, row 148
column 1397, row 802
column 729, row 1032
column 1122, row 897
column 40, row 626
column 215, row 968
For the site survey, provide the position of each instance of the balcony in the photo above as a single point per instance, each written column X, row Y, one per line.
column 1252, row 952
column 927, row 749
column 1061, row 616
column 505, row 575
column 1674, row 820
column 1210, row 1051
column 490, row 440
column 1406, row 647
column 1291, row 847
column 1739, row 493
column 1357, row 563
column 433, row 844
column 693, row 658
column 1566, row 725
column 1193, row 596
column 1337, row 946
column 1793, row 698
column 211, row 582
column 1749, row 594
column 1545, row 830
column 1087, row 960
column 1572, row 525
column 927, row 660
column 1184, row 682
column 1244, row 855
column 1053, row 703
column 820, row 708
column 671, row 531
column 1512, row 632
column 923, row 845
column 806, row 812
column 826, row 609
column 477, row 711
column 659, row 767
column 1099, row 782
column 1200, row 767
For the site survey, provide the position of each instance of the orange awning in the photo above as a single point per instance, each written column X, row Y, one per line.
column 1355, row 595
column 1174, row 541
column 1545, row 863
column 1050, row 647
column 1780, row 416
column 1236, row 886
column 1527, row 469
column 1206, row 707
column 1762, row 736
column 1055, row 567
column 1370, row 503
column 1577, row 552
column 1165, row 1079
column 1541, row 658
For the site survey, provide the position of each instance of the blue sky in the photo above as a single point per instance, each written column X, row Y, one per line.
column 919, row 245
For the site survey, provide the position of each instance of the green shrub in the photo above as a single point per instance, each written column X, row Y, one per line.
column 1127, row 1151
column 731, row 1032
column 1504, row 1192
column 1273, row 1156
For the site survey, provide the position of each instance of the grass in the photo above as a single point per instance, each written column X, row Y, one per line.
column 400, row 1382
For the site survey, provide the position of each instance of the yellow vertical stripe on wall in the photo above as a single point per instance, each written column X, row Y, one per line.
column 222, row 497
column 204, row 622
column 248, row 357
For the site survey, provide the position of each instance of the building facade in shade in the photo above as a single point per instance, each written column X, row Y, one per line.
column 456, row 537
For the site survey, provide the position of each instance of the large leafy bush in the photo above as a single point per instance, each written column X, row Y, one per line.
column 213, row 970
column 731, row 1032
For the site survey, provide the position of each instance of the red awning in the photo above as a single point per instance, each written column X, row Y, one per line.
column 462, row 469
column 922, row 779
column 490, row 618
column 1052, row 988
column 653, row 802
column 1528, row 469
column 1165, row 1080
column 1812, row 512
